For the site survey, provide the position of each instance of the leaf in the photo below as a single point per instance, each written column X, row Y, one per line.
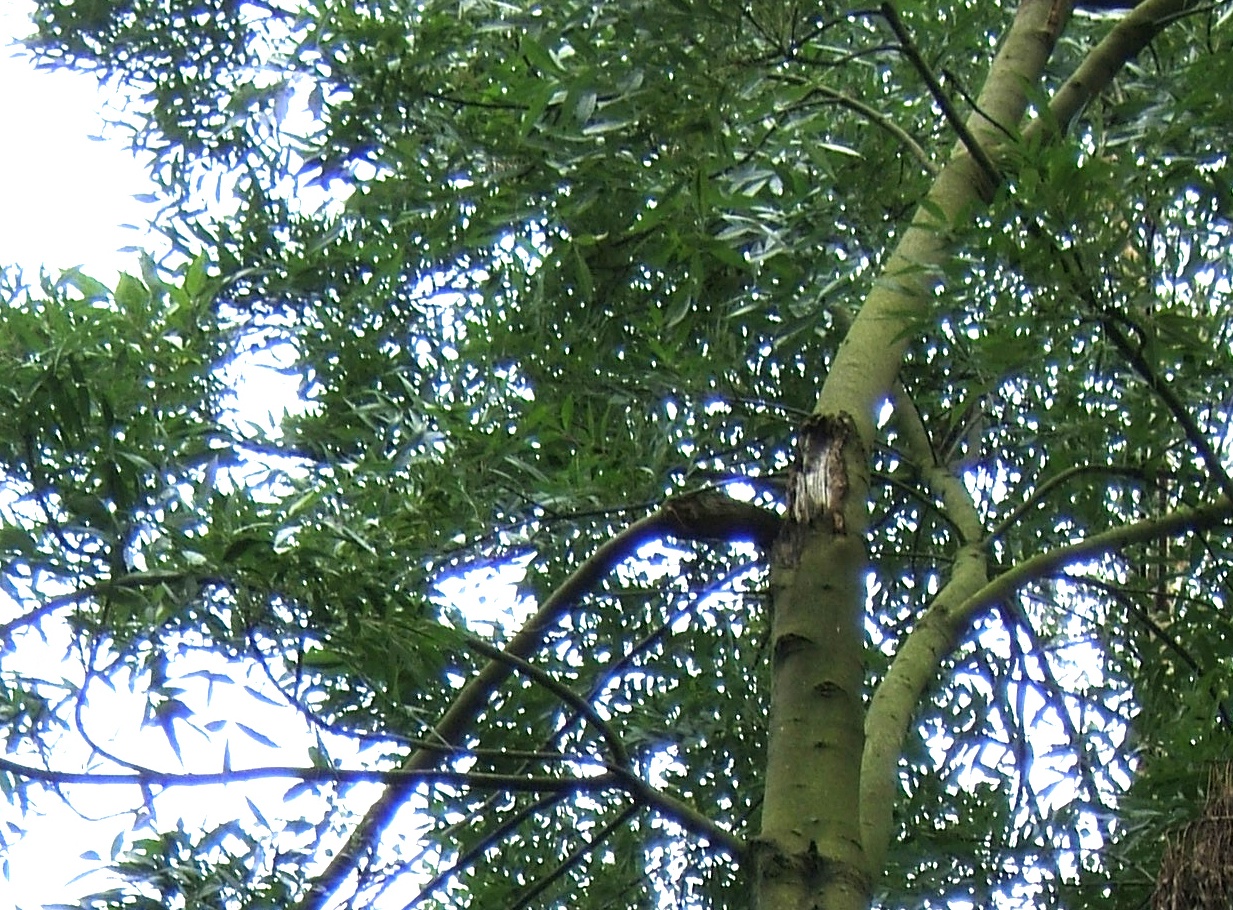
column 252, row 807
column 257, row 737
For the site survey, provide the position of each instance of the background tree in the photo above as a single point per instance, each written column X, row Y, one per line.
column 851, row 385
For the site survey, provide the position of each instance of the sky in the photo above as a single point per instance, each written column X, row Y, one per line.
column 68, row 194
column 64, row 197
column 65, row 194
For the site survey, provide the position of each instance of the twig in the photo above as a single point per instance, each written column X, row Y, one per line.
column 869, row 113
column 487, row 842
column 1111, row 322
column 576, row 856
column 1043, row 489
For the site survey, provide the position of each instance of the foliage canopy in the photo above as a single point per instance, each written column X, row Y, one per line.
column 848, row 388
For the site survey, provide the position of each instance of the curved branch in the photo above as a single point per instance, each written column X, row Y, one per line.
column 694, row 516
column 940, row 629
column 878, row 119
column 473, row 697
column 1172, row 524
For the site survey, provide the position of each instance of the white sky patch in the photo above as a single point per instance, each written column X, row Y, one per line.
column 64, row 194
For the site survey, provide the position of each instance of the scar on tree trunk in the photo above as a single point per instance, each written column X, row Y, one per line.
column 818, row 481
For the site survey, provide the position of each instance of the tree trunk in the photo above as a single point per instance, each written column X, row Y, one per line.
column 825, row 823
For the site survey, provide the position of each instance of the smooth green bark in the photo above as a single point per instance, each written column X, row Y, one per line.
column 830, row 790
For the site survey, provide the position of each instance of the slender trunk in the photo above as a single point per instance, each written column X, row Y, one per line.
column 824, row 824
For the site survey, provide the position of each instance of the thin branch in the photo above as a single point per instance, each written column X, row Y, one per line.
column 146, row 777
column 1111, row 322
column 576, row 856
column 486, row 843
column 975, row 105
column 1170, row 641
column 618, row 665
column 127, row 581
column 1043, row 489
column 957, row 504
column 683, row 814
column 875, row 117
column 957, row 123
column 1164, row 391
column 583, row 708
column 1015, row 616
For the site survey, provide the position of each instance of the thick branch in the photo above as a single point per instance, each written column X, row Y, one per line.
column 683, row 814
column 862, row 368
column 1132, row 34
column 868, row 361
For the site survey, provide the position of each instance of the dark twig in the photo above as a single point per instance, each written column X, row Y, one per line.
column 486, row 843
column 1112, row 322
column 1118, row 593
column 147, row 777
column 1044, row 489
column 1014, row 616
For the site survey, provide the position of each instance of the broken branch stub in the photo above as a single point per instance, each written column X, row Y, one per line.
column 818, row 481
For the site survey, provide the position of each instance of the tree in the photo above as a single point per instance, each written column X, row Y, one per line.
column 850, row 384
